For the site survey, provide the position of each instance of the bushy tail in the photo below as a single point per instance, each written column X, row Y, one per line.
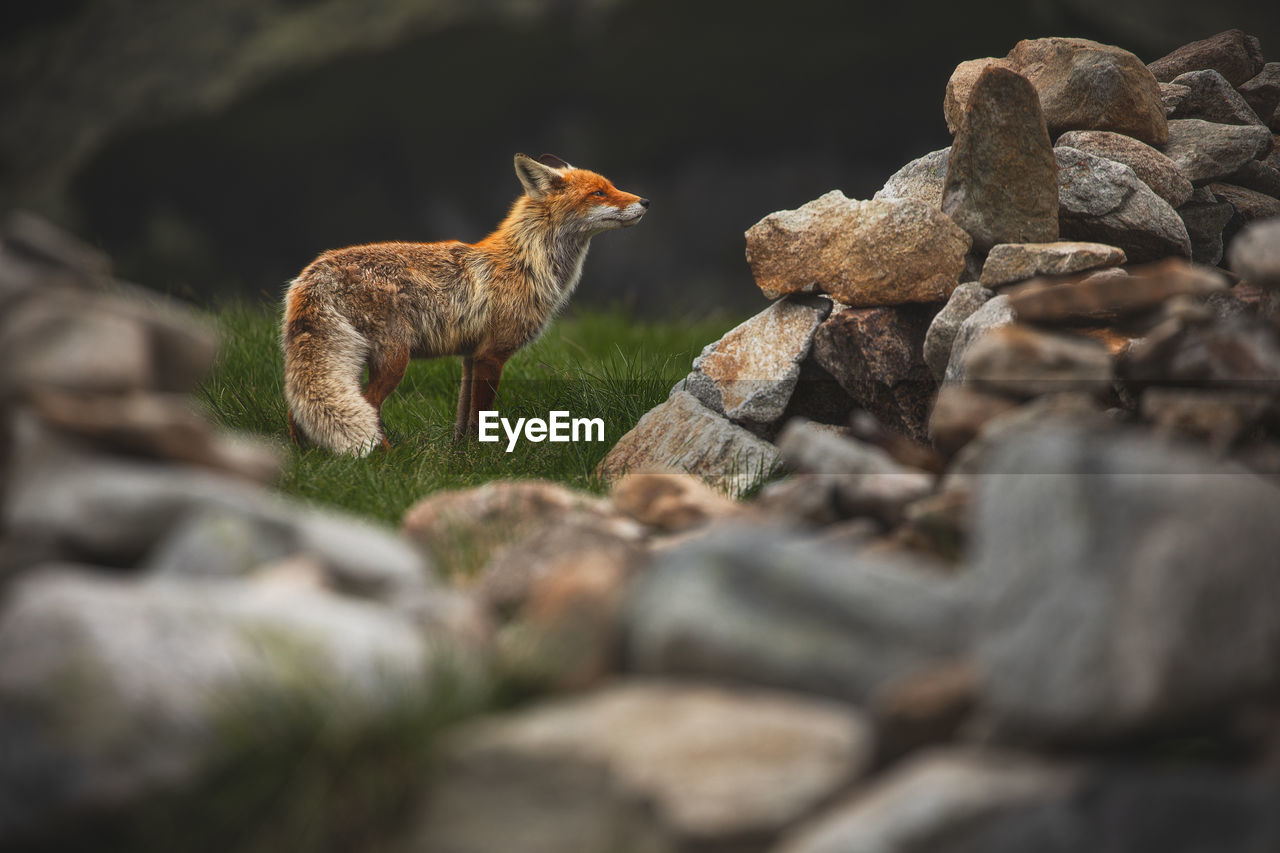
column 323, row 359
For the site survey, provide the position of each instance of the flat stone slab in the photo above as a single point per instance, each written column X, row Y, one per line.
column 1011, row 262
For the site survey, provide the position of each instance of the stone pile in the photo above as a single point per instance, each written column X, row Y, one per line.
column 1018, row 588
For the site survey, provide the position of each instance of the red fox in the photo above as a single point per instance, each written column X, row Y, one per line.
column 382, row 304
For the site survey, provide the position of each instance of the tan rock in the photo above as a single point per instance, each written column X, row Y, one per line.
column 863, row 253
column 1152, row 168
column 1107, row 296
column 1084, row 85
column 960, row 88
column 959, row 414
column 1002, row 179
column 1234, row 54
column 682, row 434
column 1012, row 262
column 923, row 707
column 671, row 501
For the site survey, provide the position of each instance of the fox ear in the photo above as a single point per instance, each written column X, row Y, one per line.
column 553, row 161
column 538, row 179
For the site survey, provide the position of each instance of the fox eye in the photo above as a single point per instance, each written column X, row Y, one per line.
column 599, row 193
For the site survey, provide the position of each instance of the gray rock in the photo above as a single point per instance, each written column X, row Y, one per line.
column 922, row 179
column 750, row 374
column 1259, row 177
column 684, row 435
column 1206, row 151
column 760, row 606
column 1013, row 262
column 714, row 767
column 1234, row 54
column 1240, row 351
column 1000, row 182
column 115, row 691
column 1255, row 254
column 1248, row 205
column 1172, row 96
column 1205, row 221
column 1105, row 613
column 992, row 314
column 1262, row 92
column 1105, row 202
column 1212, row 98
column 1152, row 168
column 1022, row 361
column 965, row 299
column 1218, row 418
column 940, row 795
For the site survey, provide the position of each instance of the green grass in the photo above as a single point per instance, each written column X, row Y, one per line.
column 599, row 364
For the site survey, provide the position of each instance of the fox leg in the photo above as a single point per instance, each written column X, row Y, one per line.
column 486, row 373
column 464, row 400
column 386, row 369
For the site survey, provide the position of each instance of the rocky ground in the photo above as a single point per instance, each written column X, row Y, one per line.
column 1017, row 590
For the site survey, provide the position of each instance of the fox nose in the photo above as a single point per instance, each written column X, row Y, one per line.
column 644, row 202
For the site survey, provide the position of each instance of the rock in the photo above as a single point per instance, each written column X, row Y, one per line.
column 1206, row 151
column 749, row 374
column 1021, row 361
column 1234, row 54
column 1001, row 177
column 923, row 708
column 1152, row 168
column 960, row 413
column 114, row 692
column 932, row 799
column 1218, row 418
column 858, row 479
column 863, row 253
column 960, row 88
column 1248, row 204
column 1012, row 262
column 1255, row 254
column 1262, row 91
column 682, row 434
column 686, row 767
column 1212, row 98
column 1106, row 614
column 993, row 314
column 1104, row 201
column 671, row 502
column 1110, row 296
column 1172, row 96
column 1232, row 352
column 1084, row 85
column 1259, row 177
column 965, row 299
column 764, row 607
column 920, row 180
column 876, row 356
column 1205, row 222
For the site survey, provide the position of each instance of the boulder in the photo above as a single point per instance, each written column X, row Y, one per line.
column 682, row 434
column 965, row 299
column 1084, row 85
column 671, row 501
column 1206, row 151
column 1104, row 201
column 764, row 606
column 876, row 354
column 993, row 314
column 1236, row 351
column 642, row 765
column 863, row 253
column 1249, row 205
column 1212, row 98
column 1258, row 176
column 1001, row 182
column 1172, row 95
column 1206, row 217
column 1255, row 254
column 922, row 179
column 1152, row 168
column 1109, row 296
column 960, row 88
column 749, row 374
column 932, row 799
column 1234, row 54
column 1262, row 92
column 1105, row 613
column 1008, row 263
column 1020, row 361
column 960, row 413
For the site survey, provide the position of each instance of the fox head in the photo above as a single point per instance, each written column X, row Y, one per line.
column 577, row 198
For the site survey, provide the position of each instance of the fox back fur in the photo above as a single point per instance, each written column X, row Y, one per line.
column 382, row 304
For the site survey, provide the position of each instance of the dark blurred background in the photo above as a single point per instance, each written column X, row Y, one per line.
column 214, row 148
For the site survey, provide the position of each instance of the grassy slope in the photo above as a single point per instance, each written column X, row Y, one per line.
column 593, row 365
